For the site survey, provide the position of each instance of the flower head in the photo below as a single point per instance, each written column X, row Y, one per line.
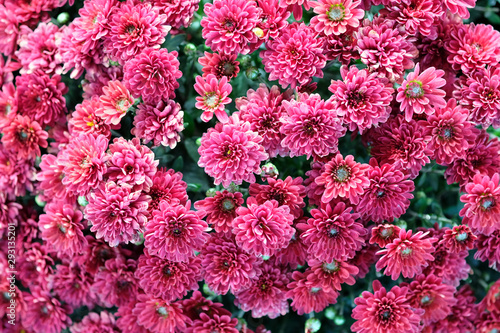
column 115, row 102
column 220, row 210
column 459, row 238
column 214, row 96
column 24, row 137
column 45, row 313
column 220, row 65
column 158, row 315
column 336, row 16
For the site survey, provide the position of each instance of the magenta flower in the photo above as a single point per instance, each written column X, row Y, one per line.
column 220, row 65
column 383, row 234
column 220, row 210
column 115, row 102
column 214, row 96
column 159, row 316
column 458, row 239
column 24, row 137
column 45, row 313
column 85, row 120
column 215, row 323
column 415, row 16
column 94, row 322
column 116, row 284
column 9, row 25
column 336, row 16
column 330, row 275
column 273, row 19
column 179, row 12
column 460, row 7
column 73, row 285
column 167, row 186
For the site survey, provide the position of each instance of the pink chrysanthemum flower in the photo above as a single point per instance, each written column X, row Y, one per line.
column 231, row 152
column 385, row 311
column 419, row 93
column 314, row 191
column 62, row 228
column 226, row 266
column 430, row 294
column 385, row 49
column 214, row 96
column 330, row 275
column 115, row 102
column 167, row 186
column 295, row 253
column 340, row 47
column 167, row 279
column 9, row 27
column 388, row 195
column 96, row 323
column 179, row 12
column 220, row 65
column 35, row 266
column 482, row 204
column 450, row 132
column 98, row 78
column 117, row 213
column 96, row 253
column 8, row 101
column 336, row 16
column 228, row 25
column 220, row 210
column 384, row 234
column 45, row 313
column 160, row 123
column 116, row 284
column 472, row 46
column 24, row 137
column 133, row 28
column 460, row 7
column 50, row 179
column 407, row 254
column 85, row 120
column 153, row 74
column 343, row 178
column 9, row 213
column 174, row 232
column 308, row 297
column 214, row 323
column 194, row 306
column 128, row 321
column 458, row 239
column 273, row 19
column 266, row 296
column 310, row 127
column 159, row 316
column 131, row 163
column 294, row 57
column 488, row 248
column 73, row 284
column 462, row 314
column 264, row 228
column 362, row 99
column 332, row 233
column 40, row 97
column 84, row 161
column 16, row 174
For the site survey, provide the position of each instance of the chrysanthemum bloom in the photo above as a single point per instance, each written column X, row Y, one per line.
column 340, row 47
column 486, row 321
column 131, row 163
column 9, row 213
column 314, row 191
column 459, row 238
column 84, row 119
column 220, row 65
column 196, row 305
column 330, row 275
column 401, row 143
column 96, row 253
column 16, row 174
column 167, row 186
column 264, row 228
column 9, row 27
column 361, row 99
column 220, row 210
column 73, row 285
column 388, row 195
column 472, row 46
column 115, row 284
column 179, row 12
column 491, row 300
column 98, row 78
column 385, row 312
column 294, row 57
column 50, row 180
column 153, row 74
column 407, row 254
column 364, row 259
column 343, row 178
column 94, row 323
column 40, row 97
column 482, row 204
column 295, row 253
column 8, row 101
column 419, row 93
column 62, row 228
column 214, row 96
column 336, row 16
column 227, row 266
column 133, row 28
column 462, row 315
column 460, row 7
column 160, row 123
column 310, row 127
column 167, row 279
column 228, row 25
column 214, row 323
column 263, row 109
column 84, row 161
column 231, row 152
column 308, row 297
column 159, row 316
column 384, row 234
column 115, row 102
column 34, row 265
column 273, row 19
column 174, row 232
column 266, row 296
column 44, row 313
column 385, row 49
column 128, row 321
column 117, row 213
column 24, row 137
column 429, row 293
column 332, row 234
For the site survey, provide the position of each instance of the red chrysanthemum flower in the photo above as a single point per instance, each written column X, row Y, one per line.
column 153, row 74
column 385, row 312
column 9, row 27
column 167, row 186
column 458, row 239
column 174, row 232
column 117, row 213
column 215, row 323
column 295, row 57
column 85, row 120
column 128, row 321
column 336, row 16
column 196, row 305
column 462, row 315
column 24, row 137
column 179, row 12
column 295, row 253
column 159, row 316
column 273, row 19
column 330, row 275
column 419, row 93
column 384, row 234
column 220, row 65
column 214, row 96
column 344, row 178
column 73, row 284
column 220, row 210
column 115, row 102
column 482, row 204
column 167, row 279
column 44, row 313
column 228, row 25
column 407, row 254
column 96, row 323
column 332, row 234
column 115, row 284
column 340, row 47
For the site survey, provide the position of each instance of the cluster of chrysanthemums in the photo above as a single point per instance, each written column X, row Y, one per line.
column 427, row 89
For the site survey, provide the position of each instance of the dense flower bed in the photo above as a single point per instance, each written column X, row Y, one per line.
column 249, row 166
